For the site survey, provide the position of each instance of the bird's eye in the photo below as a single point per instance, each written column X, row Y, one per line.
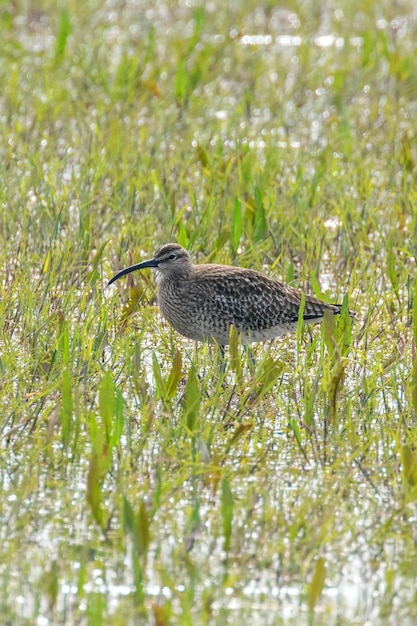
column 172, row 256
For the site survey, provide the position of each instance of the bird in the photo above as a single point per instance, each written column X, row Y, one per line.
column 202, row 302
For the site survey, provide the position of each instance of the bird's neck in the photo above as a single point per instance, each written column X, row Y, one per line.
column 178, row 277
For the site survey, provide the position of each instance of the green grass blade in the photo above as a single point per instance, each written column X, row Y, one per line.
column 316, row 585
column 107, row 403
column 227, row 506
column 66, row 412
column 63, row 34
column 192, row 401
column 237, row 226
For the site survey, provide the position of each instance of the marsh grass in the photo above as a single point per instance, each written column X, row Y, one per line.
column 139, row 482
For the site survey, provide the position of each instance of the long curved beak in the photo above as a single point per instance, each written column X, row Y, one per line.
column 133, row 268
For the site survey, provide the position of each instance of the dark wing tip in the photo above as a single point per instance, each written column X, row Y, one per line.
column 336, row 311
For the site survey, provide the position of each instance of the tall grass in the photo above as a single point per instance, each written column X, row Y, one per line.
column 139, row 482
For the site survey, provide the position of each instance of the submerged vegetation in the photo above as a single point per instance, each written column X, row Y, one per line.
column 140, row 484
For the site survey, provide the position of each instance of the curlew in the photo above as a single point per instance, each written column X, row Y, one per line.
column 203, row 302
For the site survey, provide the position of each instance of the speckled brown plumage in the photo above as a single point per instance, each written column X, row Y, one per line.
column 202, row 302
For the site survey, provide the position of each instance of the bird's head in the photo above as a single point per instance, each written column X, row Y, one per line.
column 170, row 259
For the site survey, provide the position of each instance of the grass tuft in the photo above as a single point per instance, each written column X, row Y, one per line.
column 143, row 479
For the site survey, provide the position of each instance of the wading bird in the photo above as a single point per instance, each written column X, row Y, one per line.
column 203, row 302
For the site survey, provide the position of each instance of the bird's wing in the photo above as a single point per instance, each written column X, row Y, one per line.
column 251, row 300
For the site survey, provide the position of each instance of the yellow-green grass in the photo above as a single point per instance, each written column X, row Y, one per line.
column 139, row 484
